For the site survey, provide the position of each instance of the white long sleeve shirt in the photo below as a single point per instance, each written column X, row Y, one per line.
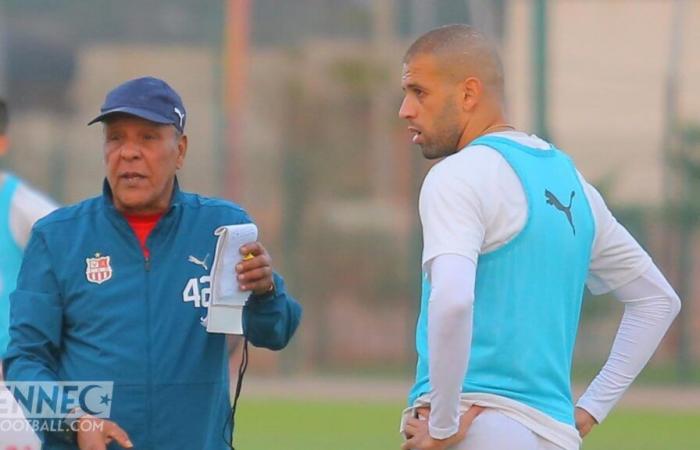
column 472, row 203
column 27, row 206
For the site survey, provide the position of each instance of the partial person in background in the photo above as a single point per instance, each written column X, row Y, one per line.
column 20, row 207
column 511, row 234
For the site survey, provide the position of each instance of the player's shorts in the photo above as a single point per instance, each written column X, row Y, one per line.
column 534, row 430
column 492, row 430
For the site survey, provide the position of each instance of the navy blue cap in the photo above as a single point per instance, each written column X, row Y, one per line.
column 148, row 98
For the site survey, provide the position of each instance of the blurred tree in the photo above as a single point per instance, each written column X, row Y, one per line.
column 687, row 215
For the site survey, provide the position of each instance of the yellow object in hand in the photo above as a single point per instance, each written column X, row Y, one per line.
column 248, row 257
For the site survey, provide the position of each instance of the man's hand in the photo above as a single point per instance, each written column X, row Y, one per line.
column 255, row 271
column 418, row 437
column 584, row 422
column 95, row 434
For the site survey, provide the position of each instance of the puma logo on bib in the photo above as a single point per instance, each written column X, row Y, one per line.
column 554, row 201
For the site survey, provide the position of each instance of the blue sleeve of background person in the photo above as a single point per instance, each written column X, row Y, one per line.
column 36, row 315
column 36, row 320
column 270, row 320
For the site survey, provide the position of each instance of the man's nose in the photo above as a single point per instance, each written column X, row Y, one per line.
column 130, row 150
column 407, row 110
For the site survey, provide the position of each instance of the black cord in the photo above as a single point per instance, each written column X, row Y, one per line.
column 239, row 386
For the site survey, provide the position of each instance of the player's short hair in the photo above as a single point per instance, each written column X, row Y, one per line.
column 4, row 117
column 459, row 46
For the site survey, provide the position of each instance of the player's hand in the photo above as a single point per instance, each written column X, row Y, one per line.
column 254, row 273
column 418, row 437
column 584, row 422
column 95, row 434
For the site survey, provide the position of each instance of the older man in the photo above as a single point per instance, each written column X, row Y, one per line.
column 108, row 290
column 511, row 234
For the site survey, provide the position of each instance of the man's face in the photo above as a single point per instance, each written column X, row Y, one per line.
column 142, row 158
column 431, row 106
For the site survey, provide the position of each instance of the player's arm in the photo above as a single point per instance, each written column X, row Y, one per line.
column 453, row 232
column 650, row 307
column 619, row 265
column 27, row 207
column 450, row 314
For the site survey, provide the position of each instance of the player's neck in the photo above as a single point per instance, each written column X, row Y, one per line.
column 476, row 128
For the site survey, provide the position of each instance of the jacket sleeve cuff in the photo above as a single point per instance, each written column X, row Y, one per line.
column 277, row 289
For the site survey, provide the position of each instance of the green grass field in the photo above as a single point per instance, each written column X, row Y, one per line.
column 267, row 424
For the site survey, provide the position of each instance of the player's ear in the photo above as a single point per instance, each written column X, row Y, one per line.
column 181, row 151
column 472, row 89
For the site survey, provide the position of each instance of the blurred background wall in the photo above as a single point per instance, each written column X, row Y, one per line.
column 292, row 112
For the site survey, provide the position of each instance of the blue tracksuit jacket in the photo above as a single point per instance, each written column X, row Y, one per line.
column 137, row 322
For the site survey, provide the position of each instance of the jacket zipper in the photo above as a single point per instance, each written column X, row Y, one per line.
column 149, row 387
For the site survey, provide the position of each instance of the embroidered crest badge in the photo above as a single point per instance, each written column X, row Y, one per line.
column 98, row 269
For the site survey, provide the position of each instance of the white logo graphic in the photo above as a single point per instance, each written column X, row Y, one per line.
column 202, row 262
column 55, row 400
column 180, row 114
column 98, row 269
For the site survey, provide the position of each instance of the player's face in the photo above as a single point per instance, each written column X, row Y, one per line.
column 431, row 106
column 142, row 158
column 3, row 144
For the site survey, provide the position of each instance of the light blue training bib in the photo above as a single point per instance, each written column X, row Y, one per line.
column 10, row 258
column 528, row 293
